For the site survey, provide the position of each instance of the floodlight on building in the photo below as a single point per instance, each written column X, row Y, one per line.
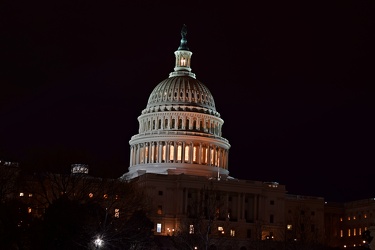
column 80, row 169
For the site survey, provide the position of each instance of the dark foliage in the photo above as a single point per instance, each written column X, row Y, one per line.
column 69, row 225
column 14, row 225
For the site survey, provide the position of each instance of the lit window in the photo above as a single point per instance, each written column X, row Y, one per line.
column 360, row 231
column 195, row 153
column 289, row 227
column 163, row 153
column 22, row 194
column 160, row 209
column 171, row 152
column 349, row 232
column 29, row 210
column 105, row 196
column 146, row 153
column 191, row 229
column 183, row 61
column 354, row 231
column 365, row 216
column 117, row 213
column 341, row 233
column 232, row 233
column 348, row 217
column 30, row 195
column 187, row 153
column 158, row 227
column 91, row 195
column 340, row 218
column 179, row 152
column 354, row 217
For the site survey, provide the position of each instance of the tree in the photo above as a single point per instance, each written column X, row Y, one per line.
column 206, row 213
column 69, row 224
column 15, row 225
column 303, row 235
column 79, row 208
column 367, row 238
column 9, row 173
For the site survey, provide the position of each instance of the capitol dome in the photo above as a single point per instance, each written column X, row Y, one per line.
column 181, row 93
column 180, row 129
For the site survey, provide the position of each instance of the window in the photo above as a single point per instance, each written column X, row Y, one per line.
column 22, row 194
column 195, row 153
column 272, row 202
column 271, row 218
column 191, row 229
column 117, row 213
column 158, row 227
column 171, row 153
column 187, row 153
column 30, row 195
column 232, row 232
column 160, row 192
column 179, row 152
column 160, row 209
column 289, row 227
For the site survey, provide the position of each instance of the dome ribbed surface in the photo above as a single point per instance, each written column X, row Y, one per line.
column 181, row 90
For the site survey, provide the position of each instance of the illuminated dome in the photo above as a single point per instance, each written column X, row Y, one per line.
column 180, row 129
column 181, row 93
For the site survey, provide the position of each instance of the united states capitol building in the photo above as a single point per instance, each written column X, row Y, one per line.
column 180, row 158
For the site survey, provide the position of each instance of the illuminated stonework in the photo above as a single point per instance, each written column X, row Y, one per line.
column 79, row 169
column 180, row 129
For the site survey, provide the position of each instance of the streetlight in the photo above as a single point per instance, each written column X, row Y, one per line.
column 98, row 242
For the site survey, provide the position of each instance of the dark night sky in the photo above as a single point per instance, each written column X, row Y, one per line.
column 293, row 81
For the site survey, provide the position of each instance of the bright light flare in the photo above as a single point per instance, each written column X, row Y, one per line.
column 98, row 242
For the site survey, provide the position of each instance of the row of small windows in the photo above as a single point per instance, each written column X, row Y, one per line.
column 90, row 195
column 220, row 229
column 181, row 124
column 161, row 152
column 354, row 217
column 353, row 231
